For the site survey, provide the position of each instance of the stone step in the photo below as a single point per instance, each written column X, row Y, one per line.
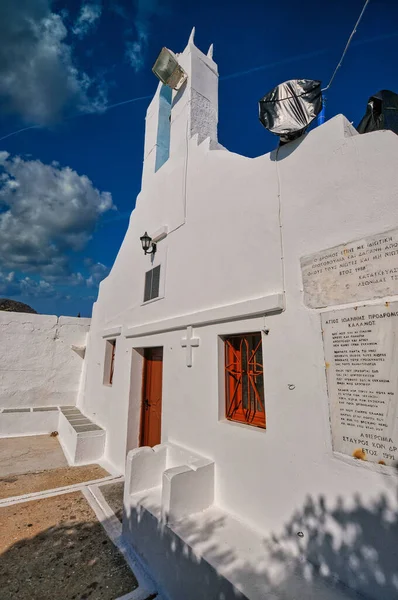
column 78, row 421
column 82, row 440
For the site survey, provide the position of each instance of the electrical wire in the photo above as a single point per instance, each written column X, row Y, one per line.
column 82, row 114
column 346, row 47
column 19, row 131
column 281, row 242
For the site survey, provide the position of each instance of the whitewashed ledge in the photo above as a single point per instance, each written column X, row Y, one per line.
column 112, row 332
column 256, row 307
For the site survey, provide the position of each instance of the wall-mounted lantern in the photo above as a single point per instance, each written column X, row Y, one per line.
column 148, row 246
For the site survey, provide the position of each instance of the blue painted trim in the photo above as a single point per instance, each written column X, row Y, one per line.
column 164, row 126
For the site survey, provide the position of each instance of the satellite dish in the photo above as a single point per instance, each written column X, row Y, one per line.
column 290, row 107
column 167, row 69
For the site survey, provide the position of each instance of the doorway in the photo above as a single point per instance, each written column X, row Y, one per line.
column 151, row 406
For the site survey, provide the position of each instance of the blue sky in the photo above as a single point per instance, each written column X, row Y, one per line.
column 68, row 185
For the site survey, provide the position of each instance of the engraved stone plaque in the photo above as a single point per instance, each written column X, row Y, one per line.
column 361, row 355
column 360, row 270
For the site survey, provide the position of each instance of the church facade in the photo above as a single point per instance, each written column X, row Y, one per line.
column 212, row 369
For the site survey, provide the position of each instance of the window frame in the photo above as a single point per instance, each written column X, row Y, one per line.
column 151, row 270
column 109, row 362
column 159, row 260
column 242, row 369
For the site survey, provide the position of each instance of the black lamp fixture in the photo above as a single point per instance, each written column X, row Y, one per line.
column 148, row 246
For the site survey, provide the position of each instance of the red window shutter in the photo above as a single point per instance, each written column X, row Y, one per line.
column 244, row 384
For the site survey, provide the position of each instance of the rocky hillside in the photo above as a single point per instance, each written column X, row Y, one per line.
column 14, row 306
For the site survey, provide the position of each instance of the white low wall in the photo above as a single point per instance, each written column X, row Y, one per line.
column 82, row 440
column 38, row 366
column 186, row 479
column 37, row 422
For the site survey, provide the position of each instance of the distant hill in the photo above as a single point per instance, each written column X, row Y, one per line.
column 14, row 306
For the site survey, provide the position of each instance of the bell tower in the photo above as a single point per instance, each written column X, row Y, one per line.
column 173, row 117
column 194, row 107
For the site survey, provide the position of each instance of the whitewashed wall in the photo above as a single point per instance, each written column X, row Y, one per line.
column 237, row 228
column 229, row 251
column 37, row 364
column 335, row 186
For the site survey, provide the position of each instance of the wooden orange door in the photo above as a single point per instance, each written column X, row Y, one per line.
column 151, row 411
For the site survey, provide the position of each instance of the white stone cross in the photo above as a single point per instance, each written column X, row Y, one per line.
column 189, row 342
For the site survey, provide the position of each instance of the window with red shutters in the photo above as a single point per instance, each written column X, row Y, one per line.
column 244, row 383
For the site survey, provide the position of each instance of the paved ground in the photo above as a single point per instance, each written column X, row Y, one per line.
column 37, row 463
column 56, row 548
column 113, row 494
column 17, row 485
column 27, row 454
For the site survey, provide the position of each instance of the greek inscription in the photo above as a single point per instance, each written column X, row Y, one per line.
column 355, row 271
column 362, row 357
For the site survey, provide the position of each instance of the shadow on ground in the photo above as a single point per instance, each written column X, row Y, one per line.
column 345, row 547
column 71, row 560
column 113, row 494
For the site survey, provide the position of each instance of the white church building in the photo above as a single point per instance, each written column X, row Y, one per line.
column 245, row 367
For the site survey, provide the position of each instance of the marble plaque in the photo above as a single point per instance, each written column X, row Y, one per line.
column 361, row 356
column 360, row 270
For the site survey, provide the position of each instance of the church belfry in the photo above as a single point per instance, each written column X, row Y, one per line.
column 173, row 117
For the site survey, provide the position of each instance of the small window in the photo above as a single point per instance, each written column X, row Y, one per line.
column 109, row 362
column 244, row 383
column 152, row 280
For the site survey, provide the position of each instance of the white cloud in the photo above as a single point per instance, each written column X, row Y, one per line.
column 136, row 49
column 12, row 285
column 118, row 9
column 46, row 212
column 97, row 272
column 89, row 15
column 20, row 285
column 38, row 77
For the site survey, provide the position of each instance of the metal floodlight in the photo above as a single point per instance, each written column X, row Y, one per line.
column 167, row 69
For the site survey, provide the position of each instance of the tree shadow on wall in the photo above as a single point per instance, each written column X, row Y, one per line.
column 348, row 551
column 350, row 543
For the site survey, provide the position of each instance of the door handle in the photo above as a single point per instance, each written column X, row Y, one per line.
column 146, row 404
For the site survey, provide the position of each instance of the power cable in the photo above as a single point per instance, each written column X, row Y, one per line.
column 346, row 47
